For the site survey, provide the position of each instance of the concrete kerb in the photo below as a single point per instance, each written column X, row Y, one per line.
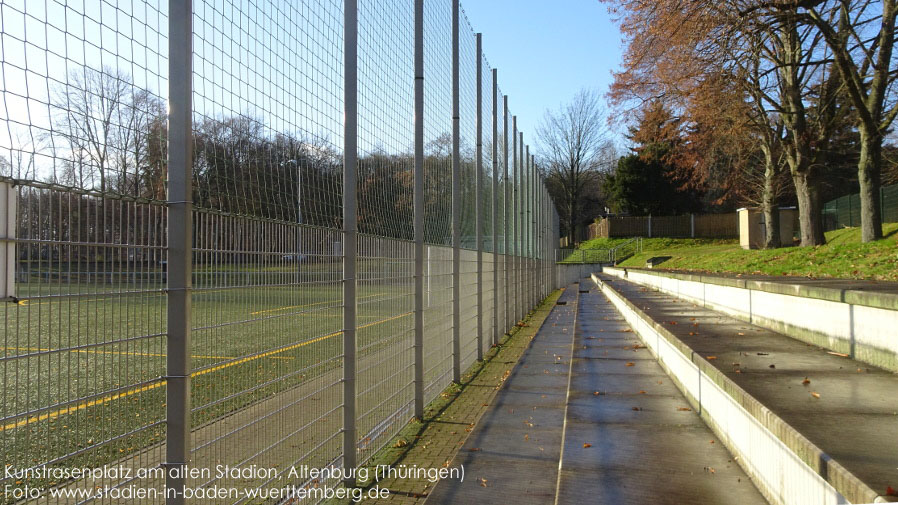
column 877, row 299
column 786, row 466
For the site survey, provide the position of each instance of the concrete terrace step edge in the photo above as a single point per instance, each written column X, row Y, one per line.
column 786, row 467
column 826, row 317
column 877, row 299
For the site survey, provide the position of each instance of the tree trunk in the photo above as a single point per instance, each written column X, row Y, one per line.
column 770, row 209
column 772, row 225
column 810, row 218
column 869, row 177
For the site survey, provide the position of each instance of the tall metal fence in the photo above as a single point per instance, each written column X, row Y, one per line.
column 255, row 235
column 846, row 211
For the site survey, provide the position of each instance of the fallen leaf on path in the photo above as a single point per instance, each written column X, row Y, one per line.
column 587, row 445
column 711, row 357
column 806, row 381
column 474, row 449
column 839, row 354
column 483, row 482
column 684, row 409
column 815, row 394
column 637, row 408
column 630, row 363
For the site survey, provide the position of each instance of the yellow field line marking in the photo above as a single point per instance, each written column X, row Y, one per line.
column 122, row 353
column 109, row 398
column 75, row 408
column 304, row 305
column 107, row 296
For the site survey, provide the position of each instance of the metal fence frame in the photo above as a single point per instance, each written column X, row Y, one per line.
column 499, row 273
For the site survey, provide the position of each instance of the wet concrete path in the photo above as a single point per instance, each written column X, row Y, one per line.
column 606, row 427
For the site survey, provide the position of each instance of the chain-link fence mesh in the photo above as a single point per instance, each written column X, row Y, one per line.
column 88, row 256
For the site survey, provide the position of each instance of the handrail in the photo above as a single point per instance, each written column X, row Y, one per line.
column 620, row 252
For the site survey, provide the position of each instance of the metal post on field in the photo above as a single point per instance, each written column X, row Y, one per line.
column 650, row 226
column 506, row 204
column 180, row 245
column 692, row 225
column 350, row 229
column 456, row 205
column 495, row 207
column 419, row 209
column 478, row 188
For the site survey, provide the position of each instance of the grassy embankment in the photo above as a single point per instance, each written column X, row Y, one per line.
column 843, row 256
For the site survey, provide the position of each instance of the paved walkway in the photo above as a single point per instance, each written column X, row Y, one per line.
column 845, row 407
column 451, row 419
column 607, row 426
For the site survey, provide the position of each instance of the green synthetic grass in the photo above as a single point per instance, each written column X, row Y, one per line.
column 843, row 256
column 95, row 355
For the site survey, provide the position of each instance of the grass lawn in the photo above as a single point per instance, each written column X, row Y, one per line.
column 843, row 256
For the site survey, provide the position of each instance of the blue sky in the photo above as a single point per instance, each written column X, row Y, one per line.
column 546, row 51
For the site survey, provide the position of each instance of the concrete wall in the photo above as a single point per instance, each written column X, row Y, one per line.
column 570, row 273
column 862, row 324
column 787, row 468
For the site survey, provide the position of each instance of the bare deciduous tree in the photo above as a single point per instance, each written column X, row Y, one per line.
column 574, row 147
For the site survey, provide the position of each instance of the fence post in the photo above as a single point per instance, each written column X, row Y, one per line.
column 419, row 209
column 478, row 191
column 525, row 233
column 456, row 205
column 8, row 221
column 495, row 207
column 505, row 210
column 350, row 229
column 650, row 225
column 180, row 245
column 514, row 217
column 519, row 227
column 692, row 225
